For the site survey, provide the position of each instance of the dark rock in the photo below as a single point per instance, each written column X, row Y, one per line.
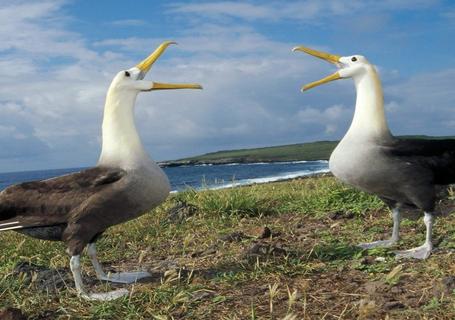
column 336, row 215
column 181, row 211
column 234, row 237
column 205, row 253
column 265, row 249
column 444, row 286
column 397, row 290
column 393, row 305
column 201, row 295
column 369, row 260
column 449, row 283
column 262, row 232
column 43, row 278
column 49, row 280
column 12, row 314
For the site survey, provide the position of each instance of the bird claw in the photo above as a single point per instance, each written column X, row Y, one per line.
column 106, row 296
column 422, row 253
column 125, row 277
column 375, row 244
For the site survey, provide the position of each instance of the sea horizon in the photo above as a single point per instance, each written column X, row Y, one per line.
column 198, row 176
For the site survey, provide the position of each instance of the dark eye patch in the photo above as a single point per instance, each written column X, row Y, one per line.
column 127, row 74
column 353, row 59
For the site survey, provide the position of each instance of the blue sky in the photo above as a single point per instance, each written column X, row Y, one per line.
column 57, row 59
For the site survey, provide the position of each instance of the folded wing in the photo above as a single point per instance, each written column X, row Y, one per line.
column 436, row 155
column 50, row 202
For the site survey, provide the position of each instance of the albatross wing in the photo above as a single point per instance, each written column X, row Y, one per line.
column 436, row 155
column 49, row 202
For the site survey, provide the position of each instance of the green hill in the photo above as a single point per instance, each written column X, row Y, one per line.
column 319, row 150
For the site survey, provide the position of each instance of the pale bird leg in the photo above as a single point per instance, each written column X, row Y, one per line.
column 395, row 233
column 423, row 251
column 75, row 266
column 121, row 277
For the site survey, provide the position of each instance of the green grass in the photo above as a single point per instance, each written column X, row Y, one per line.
column 310, row 268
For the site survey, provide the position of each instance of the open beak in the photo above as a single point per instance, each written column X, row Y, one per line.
column 170, row 86
column 332, row 58
column 145, row 65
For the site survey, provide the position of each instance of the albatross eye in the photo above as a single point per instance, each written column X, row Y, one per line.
column 127, row 74
column 353, row 59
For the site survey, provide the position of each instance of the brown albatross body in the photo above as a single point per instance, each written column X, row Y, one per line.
column 77, row 208
column 72, row 208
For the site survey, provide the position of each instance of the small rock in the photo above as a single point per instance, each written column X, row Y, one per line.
column 201, row 295
column 262, row 232
column 45, row 279
column 335, row 215
column 449, row 283
column 367, row 260
column 393, row 305
column 233, row 237
column 181, row 211
column 203, row 253
column 341, row 215
column 444, row 286
column 260, row 249
column 12, row 314
column 397, row 290
column 367, row 309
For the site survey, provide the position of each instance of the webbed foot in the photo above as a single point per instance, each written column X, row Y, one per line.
column 422, row 252
column 105, row 296
column 125, row 277
column 376, row 244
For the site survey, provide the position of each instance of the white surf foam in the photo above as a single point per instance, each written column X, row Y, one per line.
column 280, row 177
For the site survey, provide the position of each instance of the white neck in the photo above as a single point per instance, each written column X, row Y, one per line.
column 369, row 117
column 121, row 146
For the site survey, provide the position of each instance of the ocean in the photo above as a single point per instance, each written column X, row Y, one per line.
column 201, row 176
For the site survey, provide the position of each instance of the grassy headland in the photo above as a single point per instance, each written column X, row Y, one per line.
column 319, row 150
column 212, row 258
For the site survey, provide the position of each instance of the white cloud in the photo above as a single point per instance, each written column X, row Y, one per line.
column 308, row 11
column 128, row 23
column 330, row 118
column 51, row 113
column 422, row 104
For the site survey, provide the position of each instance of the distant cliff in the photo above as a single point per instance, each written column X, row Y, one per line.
column 319, row 150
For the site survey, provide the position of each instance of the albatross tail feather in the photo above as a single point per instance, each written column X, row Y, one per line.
column 10, row 226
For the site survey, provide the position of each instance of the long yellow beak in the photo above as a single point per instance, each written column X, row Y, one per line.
column 332, row 58
column 170, row 86
column 147, row 63
column 332, row 77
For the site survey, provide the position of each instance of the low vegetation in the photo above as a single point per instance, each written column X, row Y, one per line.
column 274, row 251
column 310, row 151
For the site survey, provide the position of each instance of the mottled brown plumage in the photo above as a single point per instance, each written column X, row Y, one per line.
column 69, row 207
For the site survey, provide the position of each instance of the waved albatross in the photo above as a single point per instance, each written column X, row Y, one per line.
column 77, row 208
column 402, row 172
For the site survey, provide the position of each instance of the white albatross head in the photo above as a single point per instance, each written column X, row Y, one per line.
column 349, row 67
column 131, row 80
column 369, row 116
